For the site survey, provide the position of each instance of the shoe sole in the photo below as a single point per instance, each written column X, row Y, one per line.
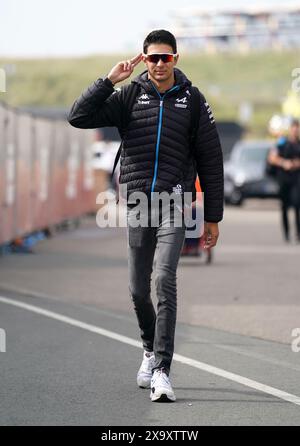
column 144, row 387
column 163, row 398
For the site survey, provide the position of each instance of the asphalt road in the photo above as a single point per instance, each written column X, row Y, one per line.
column 72, row 344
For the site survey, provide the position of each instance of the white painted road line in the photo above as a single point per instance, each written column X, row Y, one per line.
column 122, row 317
column 179, row 358
column 70, row 321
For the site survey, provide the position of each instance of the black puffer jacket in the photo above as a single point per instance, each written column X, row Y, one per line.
column 156, row 155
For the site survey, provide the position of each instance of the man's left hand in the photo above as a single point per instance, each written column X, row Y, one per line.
column 210, row 235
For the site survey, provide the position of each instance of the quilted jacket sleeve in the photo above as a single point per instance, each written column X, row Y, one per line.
column 98, row 106
column 209, row 160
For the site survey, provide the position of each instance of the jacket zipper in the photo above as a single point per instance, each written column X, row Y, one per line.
column 161, row 106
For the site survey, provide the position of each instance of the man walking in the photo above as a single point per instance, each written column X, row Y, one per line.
column 286, row 157
column 157, row 157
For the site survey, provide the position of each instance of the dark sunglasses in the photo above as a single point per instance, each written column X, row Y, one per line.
column 155, row 58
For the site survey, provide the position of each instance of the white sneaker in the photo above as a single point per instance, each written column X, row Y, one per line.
column 161, row 389
column 145, row 371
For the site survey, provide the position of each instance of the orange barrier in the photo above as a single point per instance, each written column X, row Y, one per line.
column 46, row 173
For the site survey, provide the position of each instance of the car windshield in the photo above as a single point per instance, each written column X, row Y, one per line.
column 251, row 155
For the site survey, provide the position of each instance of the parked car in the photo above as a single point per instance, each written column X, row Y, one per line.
column 245, row 173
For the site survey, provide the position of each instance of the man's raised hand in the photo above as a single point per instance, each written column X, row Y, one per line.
column 124, row 69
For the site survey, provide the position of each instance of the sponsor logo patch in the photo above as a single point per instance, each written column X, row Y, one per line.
column 144, row 99
column 210, row 114
column 177, row 189
column 183, row 100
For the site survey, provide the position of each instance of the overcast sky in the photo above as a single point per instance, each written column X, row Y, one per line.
column 82, row 27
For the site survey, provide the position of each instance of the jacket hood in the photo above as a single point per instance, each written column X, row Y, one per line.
column 180, row 79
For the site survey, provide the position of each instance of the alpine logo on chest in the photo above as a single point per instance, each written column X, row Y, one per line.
column 181, row 102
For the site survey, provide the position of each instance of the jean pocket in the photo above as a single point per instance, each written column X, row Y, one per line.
column 135, row 236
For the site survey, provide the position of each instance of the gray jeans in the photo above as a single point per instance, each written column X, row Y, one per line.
column 165, row 240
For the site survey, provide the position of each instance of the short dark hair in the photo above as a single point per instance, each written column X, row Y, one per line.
column 160, row 36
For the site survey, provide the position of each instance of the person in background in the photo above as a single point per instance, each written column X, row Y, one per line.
column 286, row 157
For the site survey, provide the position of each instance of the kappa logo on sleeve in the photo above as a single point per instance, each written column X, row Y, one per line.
column 210, row 114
